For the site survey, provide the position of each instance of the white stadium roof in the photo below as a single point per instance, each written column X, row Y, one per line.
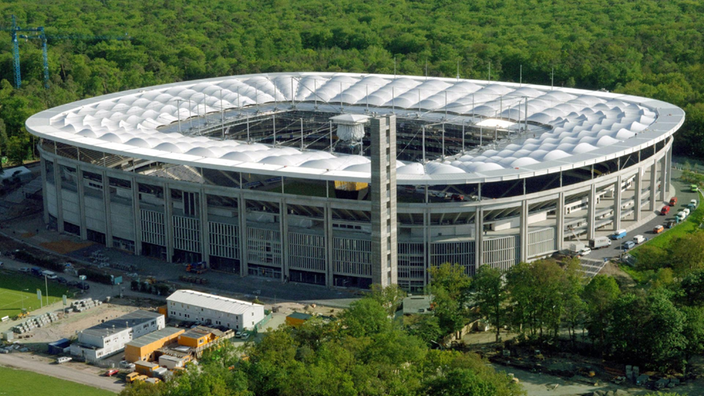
column 210, row 301
column 585, row 127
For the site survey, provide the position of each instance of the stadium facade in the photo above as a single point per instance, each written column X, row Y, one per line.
column 348, row 179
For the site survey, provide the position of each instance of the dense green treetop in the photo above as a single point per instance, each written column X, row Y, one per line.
column 648, row 47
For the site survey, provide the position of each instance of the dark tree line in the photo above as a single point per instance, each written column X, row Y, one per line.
column 650, row 48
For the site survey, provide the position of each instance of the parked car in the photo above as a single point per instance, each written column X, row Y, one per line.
column 238, row 334
column 51, row 275
column 25, row 269
column 111, row 372
column 673, row 201
column 658, row 229
column 628, row 245
column 670, row 223
column 665, row 210
column 638, row 239
column 62, row 280
column 245, row 336
column 693, row 188
column 83, row 285
column 126, row 365
column 585, row 251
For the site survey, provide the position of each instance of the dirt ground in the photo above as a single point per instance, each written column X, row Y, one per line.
column 313, row 309
column 64, row 246
column 74, row 322
column 613, row 270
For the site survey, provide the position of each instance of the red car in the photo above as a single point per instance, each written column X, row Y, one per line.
column 673, row 201
column 111, row 372
column 665, row 210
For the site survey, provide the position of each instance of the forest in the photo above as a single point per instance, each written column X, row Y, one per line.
column 648, row 47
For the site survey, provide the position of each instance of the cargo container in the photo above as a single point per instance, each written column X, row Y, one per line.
column 577, row 247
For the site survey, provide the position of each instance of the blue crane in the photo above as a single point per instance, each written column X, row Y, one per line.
column 41, row 35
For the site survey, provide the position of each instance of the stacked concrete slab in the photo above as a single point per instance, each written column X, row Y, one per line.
column 85, row 304
column 34, row 322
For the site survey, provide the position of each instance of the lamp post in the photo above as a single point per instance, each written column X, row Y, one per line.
column 46, row 287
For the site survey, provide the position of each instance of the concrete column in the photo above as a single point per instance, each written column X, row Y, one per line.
column 204, row 228
column 669, row 166
column 524, row 231
column 283, row 209
column 617, row 204
column 663, row 177
column 328, row 245
column 426, row 242
column 108, row 212
column 242, row 214
column 653, row 186
column 560, row 221
column 637, row 194
column 45, row 203
column 591, row 213
column 81, row 202
column 137, row 216
column 479, row 238
column 168, row 223
column 59, row 196
column 383, row 199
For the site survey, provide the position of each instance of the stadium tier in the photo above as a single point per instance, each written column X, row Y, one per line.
column 282, row 175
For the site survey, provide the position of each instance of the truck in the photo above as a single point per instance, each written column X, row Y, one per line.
column 600, row 242
column 577, row 247
column 618, row 234
column 680, row 217
column 197, row 268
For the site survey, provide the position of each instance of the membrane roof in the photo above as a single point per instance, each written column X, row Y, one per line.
column 582, row 127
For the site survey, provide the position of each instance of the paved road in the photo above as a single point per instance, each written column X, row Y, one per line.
column 646, row 229
column 42, row 366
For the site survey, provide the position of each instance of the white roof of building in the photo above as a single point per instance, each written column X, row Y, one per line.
column 584, row 127
column 210, row 301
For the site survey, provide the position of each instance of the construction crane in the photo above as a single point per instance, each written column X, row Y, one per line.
column 41, row 35
column 16, row 47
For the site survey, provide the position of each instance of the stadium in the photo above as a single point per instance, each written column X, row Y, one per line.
column 346, row 180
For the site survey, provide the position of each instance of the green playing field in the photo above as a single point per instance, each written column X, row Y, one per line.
column 19, row 291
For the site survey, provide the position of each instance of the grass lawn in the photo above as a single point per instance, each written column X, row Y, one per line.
column 20, row 290
column 20, row 383
column 662, row 241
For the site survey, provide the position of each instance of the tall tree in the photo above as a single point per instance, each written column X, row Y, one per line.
column 449, row 285
column 599, row 295
column 490, row 296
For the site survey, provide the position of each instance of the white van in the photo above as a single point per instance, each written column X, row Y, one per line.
column 638, row 239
